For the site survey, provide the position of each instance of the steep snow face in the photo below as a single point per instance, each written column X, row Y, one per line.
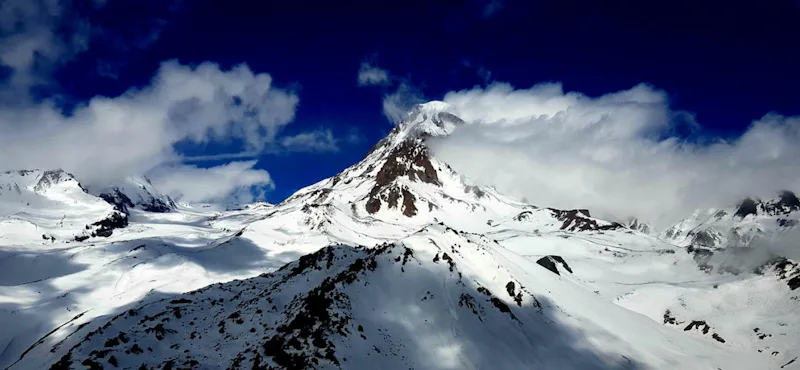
column 51, row 205
column 136, row 192
column 438, row 299
column 737, row 226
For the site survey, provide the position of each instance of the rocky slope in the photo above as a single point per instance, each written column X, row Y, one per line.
column 136, row 192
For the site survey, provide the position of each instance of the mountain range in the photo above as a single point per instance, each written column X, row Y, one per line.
column 397, row 262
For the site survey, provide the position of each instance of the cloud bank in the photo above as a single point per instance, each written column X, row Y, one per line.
column 109, row 138
column 235, row 181
column 615, row 154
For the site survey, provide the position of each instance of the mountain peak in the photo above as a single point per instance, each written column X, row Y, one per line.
column 429, row 119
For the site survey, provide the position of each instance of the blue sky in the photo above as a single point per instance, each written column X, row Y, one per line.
column 727, row 63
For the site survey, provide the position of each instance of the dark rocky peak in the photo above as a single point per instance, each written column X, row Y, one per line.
column 636, row 224
column 123, row 202
column 785, row 203
column 581, row 220
column 136, row 192
column 410, row 159
column 748, row 206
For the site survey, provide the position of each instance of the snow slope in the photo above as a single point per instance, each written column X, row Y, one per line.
column 438, row 299
column 398, row 262
column 50, row 205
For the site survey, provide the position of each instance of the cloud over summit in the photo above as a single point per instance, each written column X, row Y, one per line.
column 615, row 154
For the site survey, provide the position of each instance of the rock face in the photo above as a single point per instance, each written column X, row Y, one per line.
column 580, row 220
column 552, row 262
column 138, row 193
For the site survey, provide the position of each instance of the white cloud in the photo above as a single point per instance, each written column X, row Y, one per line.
column 234, row 181
column 313, row 141
column 400, row 101
column 372, row 75
column 613, row 154
column 31, row 45
column 109, row 138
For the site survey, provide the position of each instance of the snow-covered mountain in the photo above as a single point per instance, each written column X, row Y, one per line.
column 396, row 262
column 740, row 225
column 136, row 192
column 49, row 206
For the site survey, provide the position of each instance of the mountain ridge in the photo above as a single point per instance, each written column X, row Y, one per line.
column 397, row 241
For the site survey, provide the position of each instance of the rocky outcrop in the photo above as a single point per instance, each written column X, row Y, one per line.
column 410, row 159
column 551, row 263
column 105, row 227
column 138, row 193
column 580, row 220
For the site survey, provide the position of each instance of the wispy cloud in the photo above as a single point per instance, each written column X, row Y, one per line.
column 397, row 103
column 399, row 95
column 371, row 75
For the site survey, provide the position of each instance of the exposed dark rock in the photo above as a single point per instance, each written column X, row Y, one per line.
column 549, row 262
column 785, row 269
column 717, row 338
column 50, row 178
column 705, row 238
column 699, row 324
column 510, row 288
column 406, row 160
column 523, row 216
column 794, row 282
column 562, row 262
column 669, row 319
column 122, row 202
column 118, row 199
column 788, row 200
column 579, row 220
column 748, row 206
column 106, row 226
column 410, row 159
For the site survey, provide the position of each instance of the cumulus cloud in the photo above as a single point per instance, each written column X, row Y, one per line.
column 235, row 181
column 372, row 75
column 615, row 154
column 108, row 138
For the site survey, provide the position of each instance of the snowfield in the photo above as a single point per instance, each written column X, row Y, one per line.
column 397, row 262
